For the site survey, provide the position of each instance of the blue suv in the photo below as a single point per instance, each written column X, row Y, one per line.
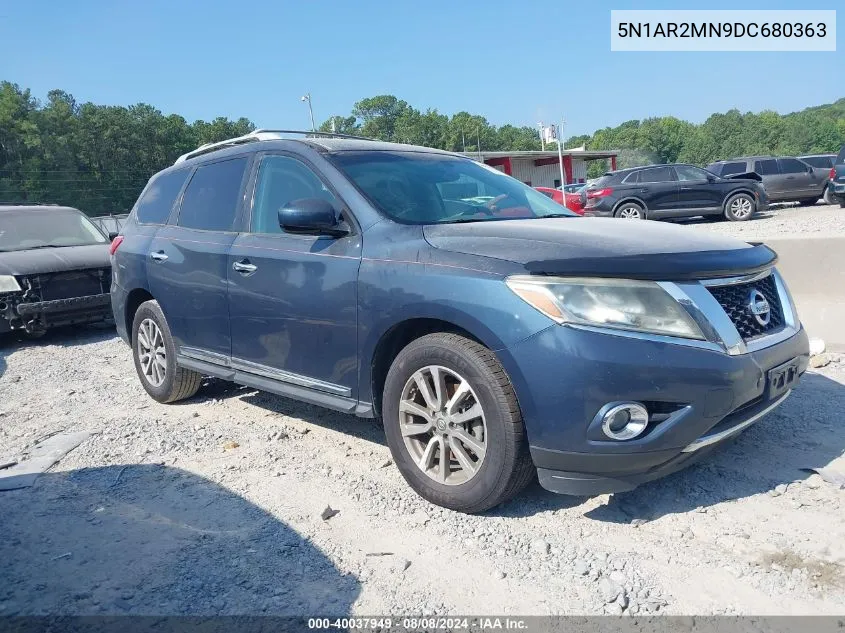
column 496, row 334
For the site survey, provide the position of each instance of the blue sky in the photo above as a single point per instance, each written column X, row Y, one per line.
column 513, row 62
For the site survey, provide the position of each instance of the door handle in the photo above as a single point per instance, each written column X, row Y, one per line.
column 158, row 256
column 244, row 267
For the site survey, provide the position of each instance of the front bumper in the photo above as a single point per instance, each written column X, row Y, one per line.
column 39, row 315
column 563, row 376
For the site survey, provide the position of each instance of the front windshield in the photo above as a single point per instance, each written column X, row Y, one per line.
column 24, row 229
column 429, row 188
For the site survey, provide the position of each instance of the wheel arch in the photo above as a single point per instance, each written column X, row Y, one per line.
column 626, row 199
column 734, row 192
column 134, row 299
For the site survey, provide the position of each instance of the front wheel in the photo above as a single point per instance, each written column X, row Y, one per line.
column 453, row 424
column 155, row 357
column 740, row 207
column 630, row 211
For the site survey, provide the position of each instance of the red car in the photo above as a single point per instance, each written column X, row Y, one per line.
column 573, row 198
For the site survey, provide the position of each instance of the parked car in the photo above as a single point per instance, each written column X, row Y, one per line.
column 567, row 198
column 54, row 269
column 496, row 340
column 837, row 178
column 785, row 179
column 672, row 191
column 823, row 165
column 110, row 224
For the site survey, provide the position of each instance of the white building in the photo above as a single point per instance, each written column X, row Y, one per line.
column 542, row 168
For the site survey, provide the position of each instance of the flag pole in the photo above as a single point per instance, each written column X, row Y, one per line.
column 560, row 155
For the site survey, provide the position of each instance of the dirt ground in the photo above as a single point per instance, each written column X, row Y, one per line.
column 213, row 506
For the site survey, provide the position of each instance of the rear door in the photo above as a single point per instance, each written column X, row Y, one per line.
column 696, row 192
column 293, row 297
column 188, row 260
column 773, row 181
column 658, row 188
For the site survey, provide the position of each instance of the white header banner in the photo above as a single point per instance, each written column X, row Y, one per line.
column 688, row 30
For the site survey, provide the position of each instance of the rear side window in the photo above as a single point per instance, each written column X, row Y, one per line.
column 823, row 162
column 657, row 174
column 792, row 166
column 766, row 167
column 157, row 201
column 735, row 167
column 211, row 198
column 840, row 159
column 714, row 168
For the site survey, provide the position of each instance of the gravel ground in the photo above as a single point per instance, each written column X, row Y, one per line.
column 783, row 221
column 213, row 506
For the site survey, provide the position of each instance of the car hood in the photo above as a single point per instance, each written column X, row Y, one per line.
column 51, row 260
column 605, row 247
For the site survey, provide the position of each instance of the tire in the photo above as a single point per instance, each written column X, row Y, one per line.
column 504, row 468
column 842, row 205
column 808, row 202
column 176, row 383
column 630, row 211
column 740, row 207
column 828, row 197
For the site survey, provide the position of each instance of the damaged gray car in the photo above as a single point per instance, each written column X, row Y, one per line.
column 54, row 269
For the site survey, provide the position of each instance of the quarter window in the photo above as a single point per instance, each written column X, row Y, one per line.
column 211, row 198
column 792, row 166
column 157, row 201
column 657, row 174
column 767, row 167
column 282, row 180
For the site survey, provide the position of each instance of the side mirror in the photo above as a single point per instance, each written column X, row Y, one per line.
column 312, row 216
column 113, row 235
column 711, row 178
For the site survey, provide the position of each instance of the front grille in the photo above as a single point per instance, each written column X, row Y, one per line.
column 735, row 300
column 70, row 284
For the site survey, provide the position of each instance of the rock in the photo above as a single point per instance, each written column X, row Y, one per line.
column 613, row 609
column 539, row 546
column 499, row 574
column 328, row 513
column 581, row 567
column 822, row 360
column 816, row 346
column 609, row 590
column 195, row 414
column 230, row 445
column 387, row 463
column 622, row 599
column 304, row 431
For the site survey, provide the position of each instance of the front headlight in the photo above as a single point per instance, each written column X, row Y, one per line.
column 9, row 284
column 625, row 304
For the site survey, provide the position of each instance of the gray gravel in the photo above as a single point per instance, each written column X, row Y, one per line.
column 214, row 506
column 782, row 221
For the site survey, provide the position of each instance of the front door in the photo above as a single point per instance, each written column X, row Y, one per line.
column 293, row 298
column 696, row 192
column 798, row 179
column 188, row 261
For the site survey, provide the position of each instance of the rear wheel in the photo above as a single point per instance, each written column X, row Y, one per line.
column 740, row 207
column 828, row 197
column 155, row 357
column 630, row 211
column 808, row 202
column 453, row 424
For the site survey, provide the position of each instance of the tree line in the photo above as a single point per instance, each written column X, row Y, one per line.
column 98, row 158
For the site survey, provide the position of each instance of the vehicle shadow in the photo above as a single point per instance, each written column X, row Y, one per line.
column 805, row 432
column 153, row 540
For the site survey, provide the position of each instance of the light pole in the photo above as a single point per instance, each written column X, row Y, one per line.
column 307, row 97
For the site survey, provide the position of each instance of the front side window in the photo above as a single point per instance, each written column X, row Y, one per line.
column 429, row 188
column 792, row 166
column 766, row 167
column 736, row 167
column 657, row 174
column 25, row 229
column 281, row 180
column 157, row 201
column 690, row 173
column 210, row 201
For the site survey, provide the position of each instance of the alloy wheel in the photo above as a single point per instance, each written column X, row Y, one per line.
column 152, row 353
column 443, row 425
column 741, row 207
column 630, row 213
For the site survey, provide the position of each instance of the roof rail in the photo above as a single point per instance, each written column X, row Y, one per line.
column 260, row 135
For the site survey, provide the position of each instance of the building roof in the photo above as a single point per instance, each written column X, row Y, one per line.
column 538, row 154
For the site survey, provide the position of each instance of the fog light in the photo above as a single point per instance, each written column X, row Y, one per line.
column 625, row 421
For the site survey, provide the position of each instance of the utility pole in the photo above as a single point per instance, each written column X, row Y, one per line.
column 560, row 154
column 478, row 138
column 542, row 136
column 307, row 97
